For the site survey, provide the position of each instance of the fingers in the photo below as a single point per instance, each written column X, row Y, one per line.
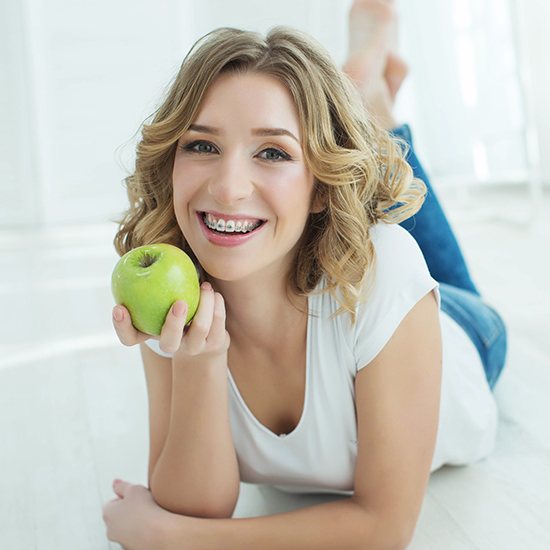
column 218, row 336
column 200, row 327
column 206, row 333
column 172, row 330
column 119, row 487
column 195, row 337
column 126, row 332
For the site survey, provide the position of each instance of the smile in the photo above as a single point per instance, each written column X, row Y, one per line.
column 228, row 232
column 230, row 225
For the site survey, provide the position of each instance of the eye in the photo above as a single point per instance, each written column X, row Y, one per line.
column 275, row 155
column 200, row 147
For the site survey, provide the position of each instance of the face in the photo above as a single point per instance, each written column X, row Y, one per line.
column 242, row 191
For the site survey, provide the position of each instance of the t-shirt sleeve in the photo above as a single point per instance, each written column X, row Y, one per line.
column 154, row 345
column 401, row 279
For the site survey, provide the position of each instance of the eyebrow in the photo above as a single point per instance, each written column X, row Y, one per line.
column 255, row 131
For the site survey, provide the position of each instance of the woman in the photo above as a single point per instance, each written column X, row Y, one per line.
column 318, row 355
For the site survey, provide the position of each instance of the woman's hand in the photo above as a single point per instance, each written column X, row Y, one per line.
column 137, row 522
column 206, row 335
column 206, row 339
column 125, row 330
column 133, row 519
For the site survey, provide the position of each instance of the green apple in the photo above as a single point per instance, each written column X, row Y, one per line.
column 149, row 279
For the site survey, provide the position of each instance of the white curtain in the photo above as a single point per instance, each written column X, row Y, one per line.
column 465, row 94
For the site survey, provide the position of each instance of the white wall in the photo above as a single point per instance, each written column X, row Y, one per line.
column 80, row 77
column 17, row 147
column 91, row 69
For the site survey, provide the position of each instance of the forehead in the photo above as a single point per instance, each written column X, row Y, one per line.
column 253, row 99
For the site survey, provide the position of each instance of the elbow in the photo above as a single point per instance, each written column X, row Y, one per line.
column 388, row 541
column 199, row 506
column 395, row 537
column 399, row 543
column 384, row 532
column 398, row 538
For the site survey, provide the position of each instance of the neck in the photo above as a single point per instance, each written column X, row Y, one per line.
column 261, row 314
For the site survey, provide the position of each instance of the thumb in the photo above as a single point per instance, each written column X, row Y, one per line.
column 120, row 487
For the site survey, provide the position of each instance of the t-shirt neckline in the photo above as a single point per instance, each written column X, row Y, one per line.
column 247, row 410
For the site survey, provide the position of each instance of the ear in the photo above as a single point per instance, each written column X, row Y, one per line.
column 317, row 206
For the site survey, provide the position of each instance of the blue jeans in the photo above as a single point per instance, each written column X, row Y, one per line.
column 460, row 298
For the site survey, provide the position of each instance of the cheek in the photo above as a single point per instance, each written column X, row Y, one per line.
column 298, row 191
column 291, row 205
column 291, row 186
column 183, row 185
column 181, row 199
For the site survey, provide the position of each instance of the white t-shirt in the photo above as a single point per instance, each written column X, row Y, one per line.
column 319, row 455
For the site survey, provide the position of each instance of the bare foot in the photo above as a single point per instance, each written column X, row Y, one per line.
column 373, row 63
column 369, row 36
column 395, row 72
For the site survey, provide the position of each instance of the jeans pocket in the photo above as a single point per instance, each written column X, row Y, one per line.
column 482, row 324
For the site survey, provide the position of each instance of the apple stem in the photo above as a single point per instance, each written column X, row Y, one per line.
column 147, row 260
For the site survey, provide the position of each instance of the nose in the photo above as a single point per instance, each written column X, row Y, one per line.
column 231, row 182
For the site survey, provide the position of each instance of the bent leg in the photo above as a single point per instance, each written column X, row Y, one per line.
column 377, row 70
column 432, row 231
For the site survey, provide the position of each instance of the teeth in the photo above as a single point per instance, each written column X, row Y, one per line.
column 229, row 226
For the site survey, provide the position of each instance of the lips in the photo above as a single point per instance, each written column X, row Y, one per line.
column 232, row 238
column 230, row 225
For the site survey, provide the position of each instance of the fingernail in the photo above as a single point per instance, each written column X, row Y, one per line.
column 118, row 314
column 179, row 308
column 206, row 286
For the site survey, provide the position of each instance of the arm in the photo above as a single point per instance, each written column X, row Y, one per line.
column 192, row 463
column 158, row 377
column 195, row 389
column 397, row 401
column 187, row 420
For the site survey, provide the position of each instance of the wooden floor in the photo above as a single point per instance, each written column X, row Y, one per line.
column 73, row 403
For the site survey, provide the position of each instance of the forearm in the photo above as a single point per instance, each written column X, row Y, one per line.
column 197, row 472
column 341, row 525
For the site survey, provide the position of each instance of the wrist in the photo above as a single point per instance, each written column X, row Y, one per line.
column 202, row 362
column 177, row 528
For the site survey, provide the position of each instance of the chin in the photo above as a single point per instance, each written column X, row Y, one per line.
column 222, row 271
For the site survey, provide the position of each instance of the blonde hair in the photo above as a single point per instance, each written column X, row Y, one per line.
column 361, row 176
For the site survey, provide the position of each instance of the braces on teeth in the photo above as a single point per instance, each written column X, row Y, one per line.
column 230, row 226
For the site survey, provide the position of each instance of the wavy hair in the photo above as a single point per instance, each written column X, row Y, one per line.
column 360, row 173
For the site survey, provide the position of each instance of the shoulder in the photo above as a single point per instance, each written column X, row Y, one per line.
column 396, row 249
column 398, row 269
column 400, row 279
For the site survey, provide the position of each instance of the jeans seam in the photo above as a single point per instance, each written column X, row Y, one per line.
column 487, row 341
